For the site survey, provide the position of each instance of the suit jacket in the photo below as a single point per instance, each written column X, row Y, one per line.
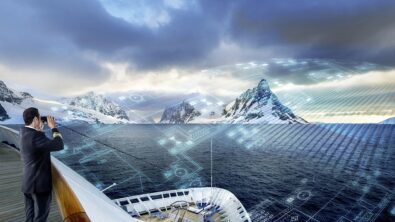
column 35, row 153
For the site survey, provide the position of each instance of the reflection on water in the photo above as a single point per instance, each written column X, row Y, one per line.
column 337, row 172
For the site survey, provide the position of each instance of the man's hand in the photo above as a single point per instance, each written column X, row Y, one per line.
column 51, row 122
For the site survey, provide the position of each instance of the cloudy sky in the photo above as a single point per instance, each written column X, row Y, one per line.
column 70, row 47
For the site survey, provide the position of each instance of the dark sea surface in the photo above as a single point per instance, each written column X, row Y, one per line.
column 315, row 172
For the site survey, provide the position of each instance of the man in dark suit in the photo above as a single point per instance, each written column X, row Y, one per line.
column 35, row 154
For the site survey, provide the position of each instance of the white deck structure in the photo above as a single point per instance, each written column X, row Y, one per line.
column 203, row 202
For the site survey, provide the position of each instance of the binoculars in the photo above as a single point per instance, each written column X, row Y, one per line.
column 44, row 119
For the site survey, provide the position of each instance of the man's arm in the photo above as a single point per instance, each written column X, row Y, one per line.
column 44, row 143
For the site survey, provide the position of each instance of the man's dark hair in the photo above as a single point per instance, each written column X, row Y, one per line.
column 29, row 114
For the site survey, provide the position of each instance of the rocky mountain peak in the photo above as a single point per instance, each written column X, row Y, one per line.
column 259, row 105
column 99, row 103
column 8, row 95
column 181, row 113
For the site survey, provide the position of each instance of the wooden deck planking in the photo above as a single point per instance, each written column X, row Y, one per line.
column 12, row 208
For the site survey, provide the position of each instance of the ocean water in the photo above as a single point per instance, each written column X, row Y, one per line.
column 315, row 172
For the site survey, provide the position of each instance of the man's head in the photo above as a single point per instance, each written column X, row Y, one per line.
column 31, row 116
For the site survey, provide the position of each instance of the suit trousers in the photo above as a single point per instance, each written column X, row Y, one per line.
column 37, row 206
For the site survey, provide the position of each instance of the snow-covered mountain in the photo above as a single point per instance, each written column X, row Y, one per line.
column 3, row 114
column 98, row 103
column 12, row 96
column 181, row 113
column 259, row 105
column 256, row 105
column 9, row 97
column 14, row 102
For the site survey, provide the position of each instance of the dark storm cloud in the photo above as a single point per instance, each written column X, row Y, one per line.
column 76, row 35
column 26, row 42
column 88, row 25
column 351, row 30
column 311, row 71
column 190, row 36
column 282, row 71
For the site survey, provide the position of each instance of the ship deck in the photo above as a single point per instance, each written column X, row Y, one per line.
column 12, row 206
column 177, row 215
